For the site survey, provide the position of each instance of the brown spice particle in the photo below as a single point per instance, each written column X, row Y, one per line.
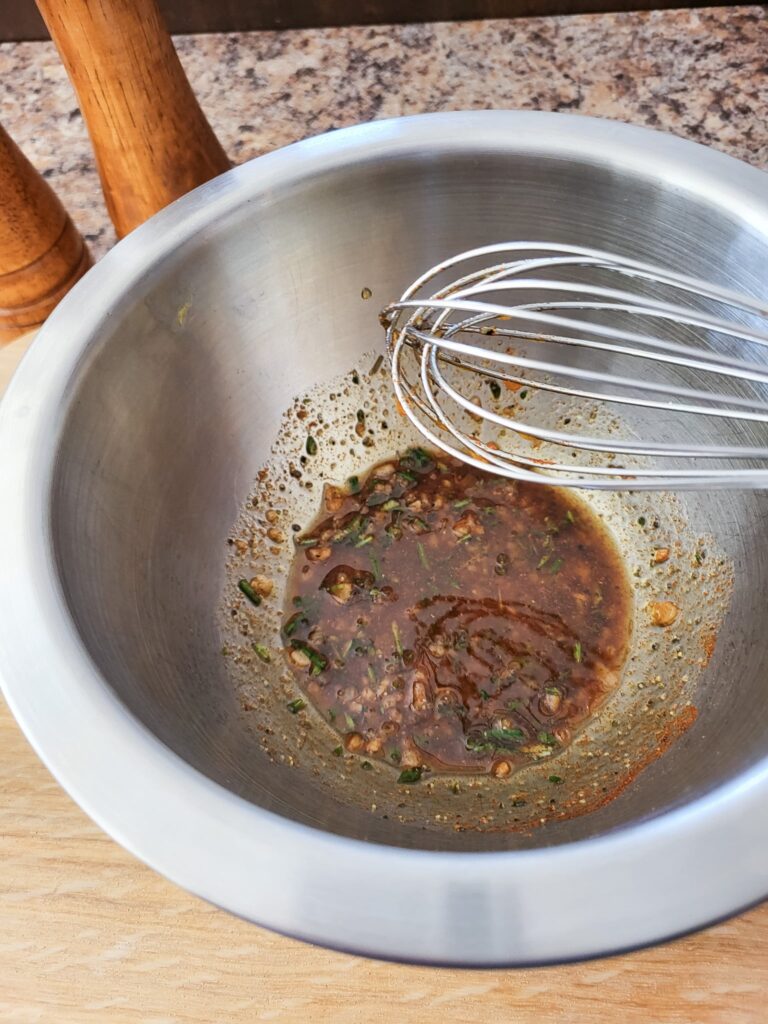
column 262, row 585
column 708, row 643
column 663, row 613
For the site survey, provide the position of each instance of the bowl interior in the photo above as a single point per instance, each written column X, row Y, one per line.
column 177, row 403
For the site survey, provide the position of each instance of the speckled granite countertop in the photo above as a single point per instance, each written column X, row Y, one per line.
column 698, row 73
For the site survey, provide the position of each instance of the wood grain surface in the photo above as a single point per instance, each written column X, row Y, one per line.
column 41, row 252
column 89, row 935
column 151, row 140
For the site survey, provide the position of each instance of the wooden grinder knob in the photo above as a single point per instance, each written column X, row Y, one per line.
column 151, row 139
column 41, row 253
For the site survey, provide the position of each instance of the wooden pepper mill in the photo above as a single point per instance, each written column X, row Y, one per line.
column 151, row 139
column 41, row 253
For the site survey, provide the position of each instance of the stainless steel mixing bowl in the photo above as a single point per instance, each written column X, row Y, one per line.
column 131, row 435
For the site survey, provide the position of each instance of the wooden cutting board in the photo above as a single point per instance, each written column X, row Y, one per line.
column 89, row 934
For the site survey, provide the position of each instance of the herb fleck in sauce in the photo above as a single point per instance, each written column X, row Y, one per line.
column 449, row 620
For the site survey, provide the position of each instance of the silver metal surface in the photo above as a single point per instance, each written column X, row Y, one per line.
column 133, row 430
column 517, row 294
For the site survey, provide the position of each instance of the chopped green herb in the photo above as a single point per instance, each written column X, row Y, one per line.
column 461, row 640
column 311, row 446
column 368, row 539
column 376, row 566
column 376, row 366
column 318, row 661
column 349, row 721
column 360, row 416
column 556, row 565
column 547, row 738
column 353, row 483
column 422, row 555
column 371, row 674
column 307, row 542
column 524, row 393
column 366, row 766
column 492, row 739
column 484, row 695
column 398, row 641
column 495, row 388
column 420, row 457
column 408, row 775
column 395, row 755
column 406, row 475
column 262, row 651
column 577, row 651
column 293, row 623
column 556, row 780
column 463, row 503
column 249, row 592
column 553, row 691
column 355, row 525
column 543, row 561
column 331, row 715
column 570, row 516
column 503, row 736
column 390, row 505
column 641, row 520
column 477, row 741
column 338, row 751
column 295, row 706
column 514, row 704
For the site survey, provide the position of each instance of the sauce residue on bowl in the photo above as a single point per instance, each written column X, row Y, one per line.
column 444, row 619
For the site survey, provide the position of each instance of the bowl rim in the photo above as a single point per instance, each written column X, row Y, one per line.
column 641, row 884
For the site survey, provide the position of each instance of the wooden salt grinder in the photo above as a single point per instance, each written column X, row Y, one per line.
column 151, row 139
column 41, row 253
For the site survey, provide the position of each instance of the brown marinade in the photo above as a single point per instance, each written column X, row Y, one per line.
column 444, row 619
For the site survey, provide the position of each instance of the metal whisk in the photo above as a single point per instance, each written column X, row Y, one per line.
column 480, row 362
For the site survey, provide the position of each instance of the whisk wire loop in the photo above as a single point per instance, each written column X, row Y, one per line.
column 441, row 343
